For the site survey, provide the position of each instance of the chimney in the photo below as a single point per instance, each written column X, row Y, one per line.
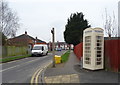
column 26, row 32
column 36, row 38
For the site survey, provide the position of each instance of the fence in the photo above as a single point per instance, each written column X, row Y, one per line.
column 111, row 54
column 13, row 51
column 78, row 50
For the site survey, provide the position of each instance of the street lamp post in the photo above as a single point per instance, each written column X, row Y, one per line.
column 53, row 45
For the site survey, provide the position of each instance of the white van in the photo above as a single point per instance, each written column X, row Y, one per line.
column 40, row 49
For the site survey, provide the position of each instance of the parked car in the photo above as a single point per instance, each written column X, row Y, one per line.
column 58, row 49
column 40, row 49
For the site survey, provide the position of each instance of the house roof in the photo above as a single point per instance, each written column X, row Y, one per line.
column 40, row 41
column 25, row 36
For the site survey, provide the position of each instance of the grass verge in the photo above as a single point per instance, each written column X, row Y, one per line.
column 65, row 56
column 49, row 51
column 13, row 58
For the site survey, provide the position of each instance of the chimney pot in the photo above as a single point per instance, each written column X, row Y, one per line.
column 26, row 32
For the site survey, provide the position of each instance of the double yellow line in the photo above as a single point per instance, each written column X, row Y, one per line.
column 35, row 77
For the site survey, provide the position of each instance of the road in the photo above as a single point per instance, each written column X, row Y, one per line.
column 21, row 71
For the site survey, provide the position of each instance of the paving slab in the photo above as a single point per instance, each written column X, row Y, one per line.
column 72, row 78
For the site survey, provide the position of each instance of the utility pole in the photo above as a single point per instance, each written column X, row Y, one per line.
column 53, row 45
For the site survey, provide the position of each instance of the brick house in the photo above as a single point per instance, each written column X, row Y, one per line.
column 24, row 40
column 62, row 45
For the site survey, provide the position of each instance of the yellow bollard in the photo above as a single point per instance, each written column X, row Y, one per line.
column 57, row 59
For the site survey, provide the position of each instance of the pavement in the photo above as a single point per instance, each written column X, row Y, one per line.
column 71, row 72
column 63, row 73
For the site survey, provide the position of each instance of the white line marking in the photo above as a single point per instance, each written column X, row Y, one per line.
column 18, row 65
column 9, row 68
column 17, row 60
column 31, row 61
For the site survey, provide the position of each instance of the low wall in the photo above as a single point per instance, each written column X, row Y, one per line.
column 8, row 51
column 111, row 54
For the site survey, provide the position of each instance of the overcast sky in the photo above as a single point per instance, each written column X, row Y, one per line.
column 38, row 17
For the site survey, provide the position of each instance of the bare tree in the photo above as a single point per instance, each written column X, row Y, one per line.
column 110, row 25
column 9, row 21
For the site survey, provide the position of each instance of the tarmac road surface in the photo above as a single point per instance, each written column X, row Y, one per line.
column 21, row 71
